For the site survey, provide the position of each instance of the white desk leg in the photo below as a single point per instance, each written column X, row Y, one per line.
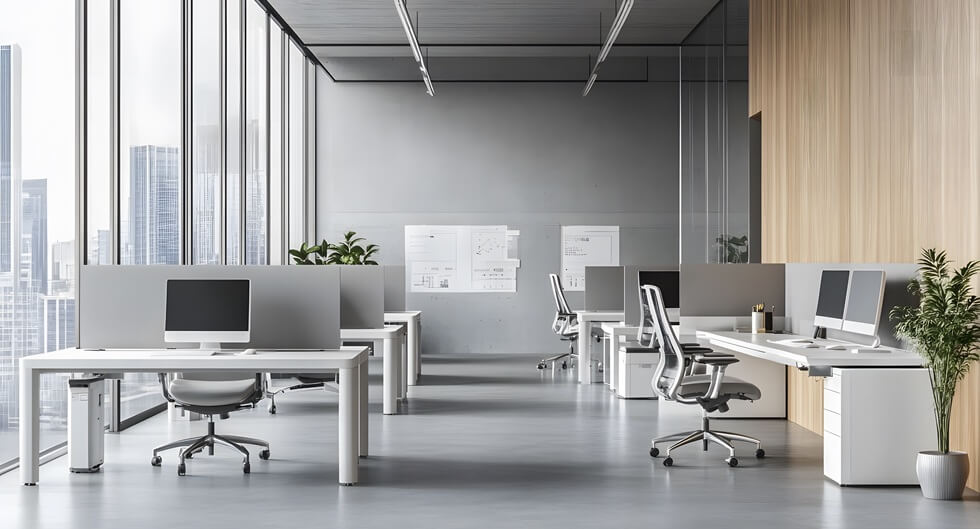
column 362, row 407
column 413, row 351
column 402, row 348
column 609, row 359
column 348, row 414
column 30, row 425
column 418, row 345
column 585, row 352
column 389, row 379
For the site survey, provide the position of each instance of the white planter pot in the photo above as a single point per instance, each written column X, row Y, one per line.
column 942, row 476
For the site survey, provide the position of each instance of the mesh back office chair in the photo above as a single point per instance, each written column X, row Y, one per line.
column 674, row 380
column 565, row 325
column 210, row 394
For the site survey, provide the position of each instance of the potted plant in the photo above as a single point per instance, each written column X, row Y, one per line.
column 944, row 330
column 348, row 252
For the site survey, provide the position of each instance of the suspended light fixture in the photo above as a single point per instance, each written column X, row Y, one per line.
column 413, row 41
column 617, row 26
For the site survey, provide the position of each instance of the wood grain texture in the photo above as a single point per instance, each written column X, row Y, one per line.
column 804, row 400
column 871, row 144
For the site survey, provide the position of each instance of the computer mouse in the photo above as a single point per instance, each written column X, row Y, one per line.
column 247, row 352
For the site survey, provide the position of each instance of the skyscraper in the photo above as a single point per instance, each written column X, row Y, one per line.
column 35, row 228
column 62, row 268
column 154, row 205
column 9, row 155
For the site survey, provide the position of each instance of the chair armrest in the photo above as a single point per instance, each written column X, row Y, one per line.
column 716, row 359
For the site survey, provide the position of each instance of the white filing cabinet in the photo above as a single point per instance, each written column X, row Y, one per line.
column 875, row 421
column 86, row 424
column 635, row 372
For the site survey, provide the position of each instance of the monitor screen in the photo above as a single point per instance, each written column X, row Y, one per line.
column 207, row 305
column 669, row 283
column 864, row 298
column 832, row 298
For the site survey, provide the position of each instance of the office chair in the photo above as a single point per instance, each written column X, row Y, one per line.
column 674, row 380
column 565, row 325
column 326, row 381
column 210, row 394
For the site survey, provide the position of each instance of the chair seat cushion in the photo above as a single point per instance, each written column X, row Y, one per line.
column 211, row 392
column 697, row 385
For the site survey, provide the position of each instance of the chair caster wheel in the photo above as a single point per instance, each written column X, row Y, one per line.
column 654, row 452
column 542, row 365
column 156, row 460
column 264, row 455
column 732, row 462
column 668, row 461
column 246, row 468
column 564, row 365
column 181, row 469
column 272, row 410
column 760, row 453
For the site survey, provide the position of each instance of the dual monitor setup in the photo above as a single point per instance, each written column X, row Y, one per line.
column 850, row 301
column 208, row 311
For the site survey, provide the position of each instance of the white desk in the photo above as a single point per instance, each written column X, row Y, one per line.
column 615, row 333
column 877, row 407
column 413, row 320
column 586, row 318
column 351, row 362
column 393, row 383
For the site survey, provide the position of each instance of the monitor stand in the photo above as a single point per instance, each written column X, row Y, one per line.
column 819, row 332
column 210, row 346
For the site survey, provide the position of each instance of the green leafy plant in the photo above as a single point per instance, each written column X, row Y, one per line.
column 348, row 252
column 943, row 328
column 735, row 249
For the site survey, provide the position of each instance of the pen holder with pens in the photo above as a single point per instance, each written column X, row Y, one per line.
column 761, row 319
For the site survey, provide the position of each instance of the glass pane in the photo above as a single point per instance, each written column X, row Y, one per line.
column 276, row 79
column 97, row 132
column 233, row 84
column 37, row 207
column 150, row 131
column 206, row 132
column 256, row 134
column 138, row 392
column 297, row 148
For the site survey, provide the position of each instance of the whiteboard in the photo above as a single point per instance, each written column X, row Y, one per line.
column 583, row 246
column 458, row 259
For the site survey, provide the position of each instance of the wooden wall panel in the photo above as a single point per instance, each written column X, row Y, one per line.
column 804, row 400
column 870, row 144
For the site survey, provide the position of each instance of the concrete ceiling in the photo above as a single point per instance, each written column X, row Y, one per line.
column 492, row 40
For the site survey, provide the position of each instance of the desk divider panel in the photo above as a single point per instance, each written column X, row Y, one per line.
column 732, row 289
column 604, row 287
column 394, row 288
column 362, row 297
column 292, row 306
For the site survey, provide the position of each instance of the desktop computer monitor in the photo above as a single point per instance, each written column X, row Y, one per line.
column 832, row 299
column 669, row 282
column 864, row 298
column 209, row 311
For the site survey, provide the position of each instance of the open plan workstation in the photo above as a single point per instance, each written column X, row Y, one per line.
column 690, row 263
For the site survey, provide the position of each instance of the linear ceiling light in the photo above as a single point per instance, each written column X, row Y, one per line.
column 413, row 41
column 617, row 25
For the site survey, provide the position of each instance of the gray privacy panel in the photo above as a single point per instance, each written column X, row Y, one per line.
column 631, row 290
column 394, row 288
column 292, row 306
column 803, row 283
column 604, row 288
column 731, row 289
column 362, row 297
column 541, row 158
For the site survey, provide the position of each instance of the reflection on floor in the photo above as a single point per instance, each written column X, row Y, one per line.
column 487, row 441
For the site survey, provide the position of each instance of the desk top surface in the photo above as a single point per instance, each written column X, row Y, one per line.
column 600, row 315
column 762, row 346
column 166, row 360
column 370, row 334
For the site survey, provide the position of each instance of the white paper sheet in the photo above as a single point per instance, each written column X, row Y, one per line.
column 583, row 246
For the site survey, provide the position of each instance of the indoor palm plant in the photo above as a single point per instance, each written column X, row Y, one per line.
column 943, row 328
column 349, row 252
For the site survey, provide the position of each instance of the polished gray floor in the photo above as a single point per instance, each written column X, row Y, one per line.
column 487, row 441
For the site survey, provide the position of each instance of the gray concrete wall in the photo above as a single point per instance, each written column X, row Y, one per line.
column 531, row 156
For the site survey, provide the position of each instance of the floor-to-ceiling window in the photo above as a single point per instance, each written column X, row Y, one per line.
column 206, row 119
column 37, row 203
column 718, row 195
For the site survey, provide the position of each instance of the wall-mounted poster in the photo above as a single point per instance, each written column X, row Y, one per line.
column 460, row 259
column 583, row 246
